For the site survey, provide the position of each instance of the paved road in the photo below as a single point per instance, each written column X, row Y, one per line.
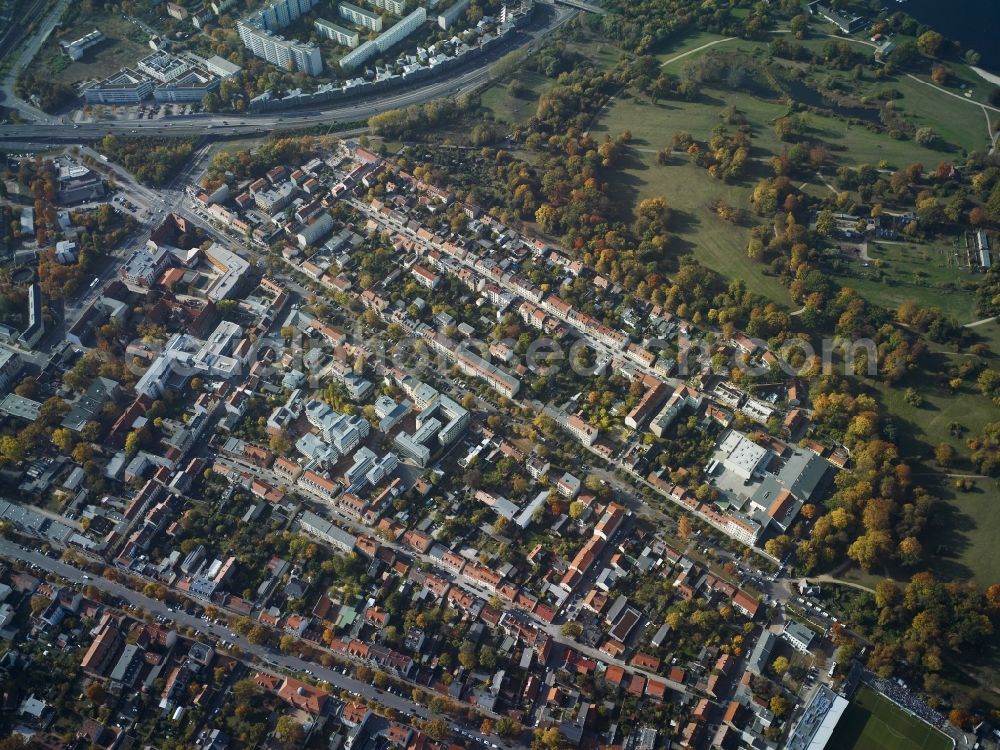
column 231, row 125
column 213, row 633
column 28, row 52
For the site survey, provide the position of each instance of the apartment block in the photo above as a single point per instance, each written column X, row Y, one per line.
column 342, row 36
column 360, row 17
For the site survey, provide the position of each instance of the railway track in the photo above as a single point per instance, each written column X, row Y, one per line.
column 27, row 15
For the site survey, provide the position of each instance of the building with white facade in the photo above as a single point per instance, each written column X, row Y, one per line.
column 310, row 234
column 36, row 322
column 342, row 431
column 257, row 34
column 396, row 7
column 162, row 66
column 191, row 86
column 360, row 16
column 127, row 86
column 287, row 54
column 448, row 16
column 185, row 356
column 231, row 267
column 342, row 36
column 384, row 41
column 10, row 368
column 75, row 49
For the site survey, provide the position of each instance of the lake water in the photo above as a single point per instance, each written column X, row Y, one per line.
column 974, row 23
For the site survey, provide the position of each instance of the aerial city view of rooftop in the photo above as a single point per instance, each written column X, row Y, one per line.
column 499, row 375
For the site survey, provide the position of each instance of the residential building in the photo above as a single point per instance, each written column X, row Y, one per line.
column 257, row 34
column 450, row 14
column 10, row 368
column 36, row 323
column 798, row 635
column 360, row 16
column 287, row 54
column 385, row 40
column 145, row 265
column 396, row 7
column 581, row 430
column 342, row 36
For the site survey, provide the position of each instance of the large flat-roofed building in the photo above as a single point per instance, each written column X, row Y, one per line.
column 145, row 265
column 287, row 54
column 162, row 66
column 281, row 13
column 77, row 183
column 847, row 24
column 742, row 456
column 339, row 34
column 232, row 268
column 22, row 408
column 815, row 727
column 798, row 635
column 220, row 66
column 360, row 16
column 276, row 198
column 185, row 355
column 311, row 233
column 190, row 86
column 257, row 34
column 75, row 49
column 127, row 86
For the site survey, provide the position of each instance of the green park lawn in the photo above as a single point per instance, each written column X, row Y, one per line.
column 961, row 124
column 516, row 110
column 966, row 526
column 873, row 722
column 689, row 191
column 929, row 274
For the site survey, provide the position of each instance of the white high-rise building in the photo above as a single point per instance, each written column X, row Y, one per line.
column 339, row 34
column 360, row 16
column 257, row 34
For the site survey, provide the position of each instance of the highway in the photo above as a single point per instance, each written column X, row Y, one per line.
column 222, row 126
column 212, row 633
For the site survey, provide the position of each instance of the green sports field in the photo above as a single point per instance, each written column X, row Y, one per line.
column 873, row 722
